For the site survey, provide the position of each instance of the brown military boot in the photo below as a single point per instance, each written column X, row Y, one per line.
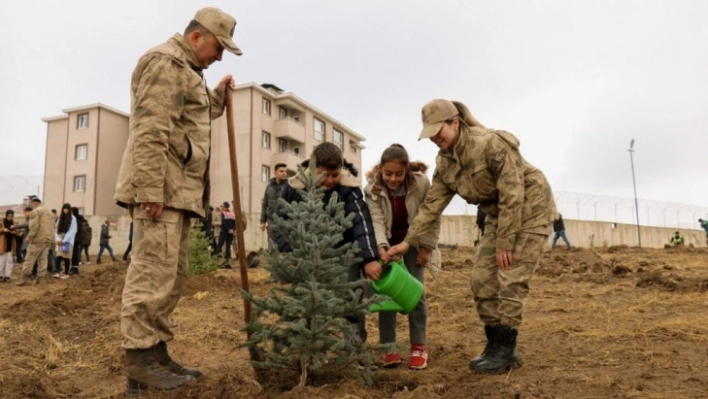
column 24, row 281
column 46, row 280
column 145, row 372
column 166, row 361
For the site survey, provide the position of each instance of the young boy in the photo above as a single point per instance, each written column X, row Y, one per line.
column 341, row 178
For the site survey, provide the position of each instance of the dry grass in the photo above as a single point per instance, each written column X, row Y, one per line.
column 618, row 323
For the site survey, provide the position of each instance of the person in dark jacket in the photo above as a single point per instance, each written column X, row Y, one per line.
column 85, row 243
column 104, row 243
column 78, row 239
column 226, row 235
column 559, row 232
column 341, row 178
column 270, row 199
column 130, row 242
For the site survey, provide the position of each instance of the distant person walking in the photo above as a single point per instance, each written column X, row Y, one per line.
column 559, row 232
column 130, row 242
column 704, row 226
column 105, row 242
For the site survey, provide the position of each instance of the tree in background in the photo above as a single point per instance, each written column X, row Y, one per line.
column 201, row 260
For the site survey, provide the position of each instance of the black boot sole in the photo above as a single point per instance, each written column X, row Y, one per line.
column 501, row 370
column 134, row 388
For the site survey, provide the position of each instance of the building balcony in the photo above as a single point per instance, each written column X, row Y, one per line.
column 290, row 129
column 289, row 158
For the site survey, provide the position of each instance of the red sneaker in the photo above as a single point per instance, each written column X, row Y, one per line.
column 419, row 357
column 392, row 360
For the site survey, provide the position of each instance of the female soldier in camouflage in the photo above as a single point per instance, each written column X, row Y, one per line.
column 484, row 166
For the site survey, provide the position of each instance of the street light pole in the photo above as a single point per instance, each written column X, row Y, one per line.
column 634, row 182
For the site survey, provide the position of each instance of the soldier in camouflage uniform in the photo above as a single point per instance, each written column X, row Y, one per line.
column 164, row 181
column 270, row 199
column 484, row 166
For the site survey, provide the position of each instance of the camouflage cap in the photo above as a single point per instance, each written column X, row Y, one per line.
column 221, row 25
column 434, row 114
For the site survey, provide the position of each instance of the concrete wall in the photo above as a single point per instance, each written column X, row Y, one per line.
column 455, row 230
column 462, row 230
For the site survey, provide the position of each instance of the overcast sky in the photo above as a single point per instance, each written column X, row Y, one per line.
column 575, row 81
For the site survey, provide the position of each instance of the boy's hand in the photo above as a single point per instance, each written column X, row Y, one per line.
column 384, row 255
column 399, row 250
column 373, row 270
column 423, row 257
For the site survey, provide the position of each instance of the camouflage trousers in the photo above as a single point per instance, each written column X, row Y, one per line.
column 36, row 252
column 500, row 295
column 155, row 277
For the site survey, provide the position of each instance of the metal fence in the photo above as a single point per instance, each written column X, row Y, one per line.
column 622, row 210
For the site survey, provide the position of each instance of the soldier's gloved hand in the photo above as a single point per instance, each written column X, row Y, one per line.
column 263, row 226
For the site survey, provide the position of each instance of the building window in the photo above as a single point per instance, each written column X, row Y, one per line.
column 282, row 113
column 266, row 106
column 339, row 139
column 82, row 121
column 81, row 152
column 352, row 147
column 282, row 145
column 319, row 130
column 265, row 173
column 265, row 140
column 79, row 184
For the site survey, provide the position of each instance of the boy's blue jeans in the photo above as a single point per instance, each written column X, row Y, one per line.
column 100, row 252
column 557, row 235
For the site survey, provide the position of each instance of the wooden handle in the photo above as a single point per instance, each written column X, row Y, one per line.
column 237, row 203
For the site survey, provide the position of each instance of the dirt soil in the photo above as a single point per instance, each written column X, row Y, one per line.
column 609, row 323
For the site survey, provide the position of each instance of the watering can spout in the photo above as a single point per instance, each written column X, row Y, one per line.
column 387, row 306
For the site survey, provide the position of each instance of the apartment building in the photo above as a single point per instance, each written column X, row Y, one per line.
column 271, row 127
column 86, row 144
column 84, row 150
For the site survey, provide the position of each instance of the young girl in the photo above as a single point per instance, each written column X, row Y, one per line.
column 64, row 233
column 484, row 166
column 395, row 191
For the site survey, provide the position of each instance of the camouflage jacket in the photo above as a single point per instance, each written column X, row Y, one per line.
column 167, row 156
column 486, row 168
column 41, row 226
column 270, row 200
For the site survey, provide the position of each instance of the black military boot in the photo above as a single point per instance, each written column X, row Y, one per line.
column 503, row 356
column 491, row 333
column 145, row 372
column 164, row 359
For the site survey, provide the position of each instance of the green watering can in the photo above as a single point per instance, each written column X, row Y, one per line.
column 399, row 285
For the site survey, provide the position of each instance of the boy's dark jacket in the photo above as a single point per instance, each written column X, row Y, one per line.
column 349, row 191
